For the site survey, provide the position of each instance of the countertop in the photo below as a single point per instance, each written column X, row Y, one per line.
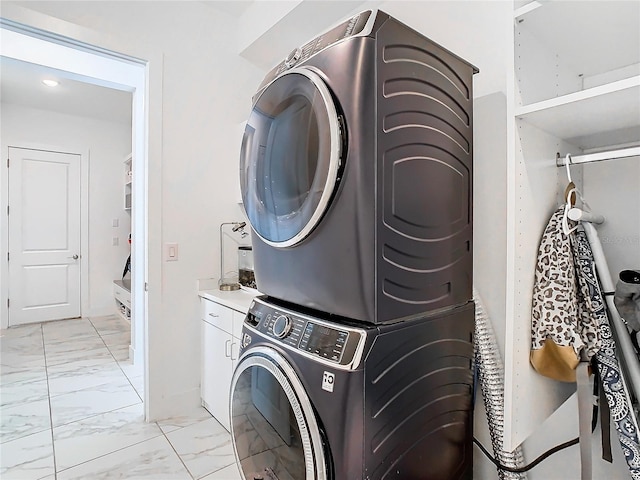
column 239, row 300
column 125, row 283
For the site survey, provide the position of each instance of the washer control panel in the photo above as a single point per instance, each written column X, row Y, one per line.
column 323, row 341
column 327, row 340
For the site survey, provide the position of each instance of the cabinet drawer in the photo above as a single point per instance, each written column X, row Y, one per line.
column 218, row 315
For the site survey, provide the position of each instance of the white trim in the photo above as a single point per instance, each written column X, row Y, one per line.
column 511, row 241
column 85, row 167
column 114, row 70
column 147, row 131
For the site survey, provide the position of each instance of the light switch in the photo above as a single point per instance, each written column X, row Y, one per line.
column 116, row 222
column 115, row 241
column 170, row 252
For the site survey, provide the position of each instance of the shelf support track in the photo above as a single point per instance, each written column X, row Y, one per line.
column 597, row 157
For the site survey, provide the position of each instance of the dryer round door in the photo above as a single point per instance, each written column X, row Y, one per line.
column 273, row 426
column 290, row 157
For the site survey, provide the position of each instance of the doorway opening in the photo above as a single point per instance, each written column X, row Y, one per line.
column 91, row 65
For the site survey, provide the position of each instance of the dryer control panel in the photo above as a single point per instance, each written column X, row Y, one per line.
column 348, row 28
column 330, row 341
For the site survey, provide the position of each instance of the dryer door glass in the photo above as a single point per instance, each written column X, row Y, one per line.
column 272, row 432
column 290, row 157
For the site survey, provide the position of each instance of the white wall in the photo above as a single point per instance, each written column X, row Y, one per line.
column 620, row 234
column 474, row 30
column 107, row 144
column 200, row 90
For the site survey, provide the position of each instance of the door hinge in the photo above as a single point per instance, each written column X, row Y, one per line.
column 7, row 303
column 7, row 256
column 146, row 287
column 7, row 163
column 7, row 210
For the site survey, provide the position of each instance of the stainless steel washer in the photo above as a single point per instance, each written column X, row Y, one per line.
column 313, row 398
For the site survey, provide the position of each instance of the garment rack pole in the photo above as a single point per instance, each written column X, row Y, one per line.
column 597, row 157
column 629, row 359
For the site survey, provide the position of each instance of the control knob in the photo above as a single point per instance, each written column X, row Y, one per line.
column 281, row 326
column 293, row 57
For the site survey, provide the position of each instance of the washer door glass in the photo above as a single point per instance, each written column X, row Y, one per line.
column 273, row 427
column 290, row 157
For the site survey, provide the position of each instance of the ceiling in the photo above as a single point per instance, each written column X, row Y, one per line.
column 234, row 8
column 21, row 84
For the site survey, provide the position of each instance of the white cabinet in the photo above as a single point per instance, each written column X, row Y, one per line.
column 122, row 295
column 576, row 89
column 122, row 288
column 221, row 328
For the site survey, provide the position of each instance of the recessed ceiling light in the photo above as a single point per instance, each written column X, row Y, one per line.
column 50, row 83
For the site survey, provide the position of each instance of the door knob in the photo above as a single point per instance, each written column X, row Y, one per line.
column 75, row 257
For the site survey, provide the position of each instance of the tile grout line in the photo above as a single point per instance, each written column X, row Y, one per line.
column 160, row 432
column 91, row 416
column 94, row 415
column 46, row 371
column 113, row 451
column 180, row 457
column 177, row 454
column 117, row 362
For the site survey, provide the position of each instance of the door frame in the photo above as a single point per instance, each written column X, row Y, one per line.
column 147, row 146
column 84, row 217
column 91, row 64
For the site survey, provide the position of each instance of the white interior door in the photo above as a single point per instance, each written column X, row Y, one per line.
column 44, row 236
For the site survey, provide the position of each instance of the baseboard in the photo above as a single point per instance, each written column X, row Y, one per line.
column 99, row 312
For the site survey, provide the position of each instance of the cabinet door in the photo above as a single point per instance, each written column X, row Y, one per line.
column 216, row 372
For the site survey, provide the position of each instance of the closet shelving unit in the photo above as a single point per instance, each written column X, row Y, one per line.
column 128, row 182
column 575, row 82
column 122, row 288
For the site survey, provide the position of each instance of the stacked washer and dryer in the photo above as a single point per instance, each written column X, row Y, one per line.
column 356, row 176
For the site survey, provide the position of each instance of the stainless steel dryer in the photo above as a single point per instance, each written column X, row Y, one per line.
column 356, row 173
column 316, row 399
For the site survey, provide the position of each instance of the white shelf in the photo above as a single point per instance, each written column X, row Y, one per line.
column 122, row 296
column 607, row 108
column 128, row 182
column 593, row 38
column 525, row 8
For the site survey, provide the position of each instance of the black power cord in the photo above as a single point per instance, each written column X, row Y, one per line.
column 526, row 468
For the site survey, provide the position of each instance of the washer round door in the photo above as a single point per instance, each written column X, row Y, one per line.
column 273, row 427
column 290, row 157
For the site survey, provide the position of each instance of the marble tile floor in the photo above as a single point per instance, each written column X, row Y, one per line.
column 71, row 408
